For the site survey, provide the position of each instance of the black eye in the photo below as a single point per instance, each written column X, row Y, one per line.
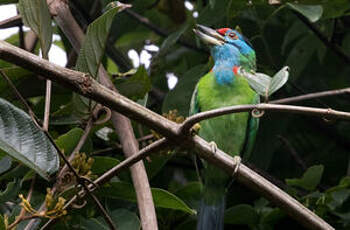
column 233, row 35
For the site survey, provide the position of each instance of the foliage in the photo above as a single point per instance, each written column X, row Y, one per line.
column 279, row 38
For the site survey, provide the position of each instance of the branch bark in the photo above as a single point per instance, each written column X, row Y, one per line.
column 86, row 86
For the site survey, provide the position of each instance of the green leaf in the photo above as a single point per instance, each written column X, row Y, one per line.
column 135, row 87
column 11, row 191
column 36, row 15
column 185, row 88
column 5, row 164
column 278, row 80
column 189, row 194
column 310, row 179
column 241, row 214
column 259, row 82
column 25, row 142
column 103, row 164
column 68, row 141
column 162, row 198
column 94, row 45
column 123, row 219
column 2, row 223
column 172, row 39
column 311, row 12
column 338, row 198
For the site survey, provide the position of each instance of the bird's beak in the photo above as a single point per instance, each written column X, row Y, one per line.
column 209, row 35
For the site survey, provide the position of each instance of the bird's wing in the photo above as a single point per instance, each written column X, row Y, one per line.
column 252, row 129
column 194, row 106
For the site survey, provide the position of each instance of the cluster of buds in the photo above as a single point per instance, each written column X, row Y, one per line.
column 82, row 164
column 171, row 115
column 54, row 208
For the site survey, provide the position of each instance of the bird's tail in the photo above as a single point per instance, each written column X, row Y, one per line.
column 211, row 216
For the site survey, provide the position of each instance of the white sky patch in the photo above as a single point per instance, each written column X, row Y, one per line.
column 7, row 11
column 189, row 5
column 134, row 56
column 172, row 80
column 57, row 55
column 145, row 58
column 152, row 48
column 195, row 14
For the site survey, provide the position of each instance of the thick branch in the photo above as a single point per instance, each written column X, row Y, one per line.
column 84, row 85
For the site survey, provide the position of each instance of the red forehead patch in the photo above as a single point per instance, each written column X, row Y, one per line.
column 223, row 30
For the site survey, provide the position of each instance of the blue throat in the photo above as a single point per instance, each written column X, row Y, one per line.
column 225, row 58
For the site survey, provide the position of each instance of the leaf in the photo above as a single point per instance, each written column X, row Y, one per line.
column 259, row 82
column 5, row 164
column 241, row 214
column 123, row 219
column 189, row 194
column 185, row 88
column 278, row 80
column 11, row 191
column 103, row 164
column 68, row 141
column 36, row 15
column 172, row 39
column 311, row 12
column 263, row 84
column 94, row 45
column 135, row 87
column 25, row 142
column 310, row 179
column 2, row 223
column 162, row 198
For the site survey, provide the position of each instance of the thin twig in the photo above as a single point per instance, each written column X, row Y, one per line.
column 11, row 22
column 325, row 113
column 47, row 105
column 312, row 96
column 143, row 153
column 335, row 48
column 67, row 163
column 104, row 212
column 22, row 213
column 293, row 152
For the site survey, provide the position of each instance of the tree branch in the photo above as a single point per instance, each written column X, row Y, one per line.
column 312, row 96
column 86, row 86
column 325, row 113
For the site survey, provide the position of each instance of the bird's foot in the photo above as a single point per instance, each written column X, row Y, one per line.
column 213, row 146
column 195, row 129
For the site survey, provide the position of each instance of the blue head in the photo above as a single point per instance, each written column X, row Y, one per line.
column 229, row 49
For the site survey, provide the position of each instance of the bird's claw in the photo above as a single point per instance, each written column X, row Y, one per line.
column 213, row 146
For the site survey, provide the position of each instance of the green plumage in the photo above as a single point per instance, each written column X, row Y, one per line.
column 234, row 133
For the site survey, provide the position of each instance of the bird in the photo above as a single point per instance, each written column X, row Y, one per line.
column 234, row 133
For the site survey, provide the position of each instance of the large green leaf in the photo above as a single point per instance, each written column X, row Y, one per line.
column 161, row 197
column 311, row 12
column 179, row 98
column 123, row 219
column 241, row 214
column 103, row 164
column 68, row 141
column 36, row 15
column 94, row 45
column 24, row 141
column 136, row 86
column 11, row 191
column 310, row 179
